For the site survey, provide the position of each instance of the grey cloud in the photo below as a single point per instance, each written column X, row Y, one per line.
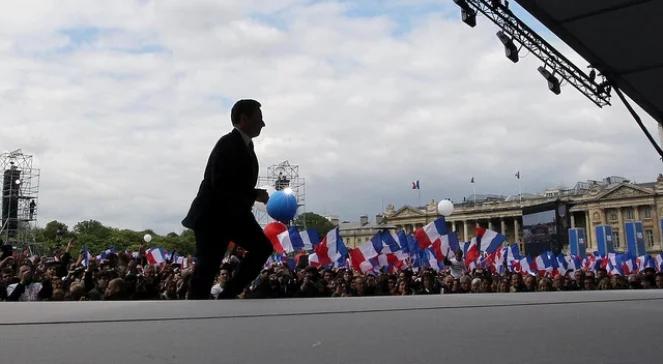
column 123, row 137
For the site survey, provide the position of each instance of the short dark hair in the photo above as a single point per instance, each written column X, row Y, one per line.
column 245, row 107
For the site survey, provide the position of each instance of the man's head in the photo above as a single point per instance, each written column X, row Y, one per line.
column 25, row 273
column 247, row 117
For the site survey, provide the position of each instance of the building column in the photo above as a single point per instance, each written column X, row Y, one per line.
column 503, row 226
column 636, row 213
column 622, row 233
column 453, row 226
column 465, row 228
column 490, row 224
column 516, row 235
column 573, row 220
column 589, row 231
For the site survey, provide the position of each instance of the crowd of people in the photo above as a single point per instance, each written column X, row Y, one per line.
column 62, row 276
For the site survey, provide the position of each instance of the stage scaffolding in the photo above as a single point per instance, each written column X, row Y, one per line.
column 279, row 177
column 20, row 198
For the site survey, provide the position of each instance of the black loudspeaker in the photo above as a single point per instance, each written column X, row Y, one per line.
column 10, row 195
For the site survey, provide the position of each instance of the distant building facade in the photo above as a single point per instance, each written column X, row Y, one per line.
column 355, row 233
column 612, row 201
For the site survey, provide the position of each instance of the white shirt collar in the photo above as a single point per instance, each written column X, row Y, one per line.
column 246, row 138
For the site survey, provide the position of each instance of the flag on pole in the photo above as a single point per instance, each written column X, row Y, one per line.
column 472, row 180
column 415, row 185
column 86, row 256
column 518, row 174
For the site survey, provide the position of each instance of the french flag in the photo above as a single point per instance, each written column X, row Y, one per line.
column 392, row 241
column 573, row 263
column 428, row 234
column 562, row 264
column 485, row 241
column 659, row 262
column 359, row 262
column 331, row 250
column 86, row 256
column 532, row 265
column 644, row 262
column 512, row 253
column 589, row 263
column 432, row 260
column 550, row 263
column 293, row 240
column 526, row 268
column 629, row 264
column 407, row 242
column 614, row 264
column 368, row 250
column 155, row 256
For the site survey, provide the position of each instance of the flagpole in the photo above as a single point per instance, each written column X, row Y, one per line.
column 474, row 193
column 520, row 191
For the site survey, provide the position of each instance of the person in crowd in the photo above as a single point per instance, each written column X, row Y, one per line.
column 559, row 283
column 545, row 285
column 659, row 280
column 27, row 289
column 530, row 283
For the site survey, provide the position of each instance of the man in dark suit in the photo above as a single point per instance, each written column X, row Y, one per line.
column 221, row 212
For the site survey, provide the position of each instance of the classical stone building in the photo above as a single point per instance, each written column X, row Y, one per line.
column 355, row 233
column 612, row 201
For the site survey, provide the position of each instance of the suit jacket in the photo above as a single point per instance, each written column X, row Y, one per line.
column 228, row 186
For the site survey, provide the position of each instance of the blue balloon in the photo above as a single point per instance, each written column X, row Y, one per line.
column 282, row 206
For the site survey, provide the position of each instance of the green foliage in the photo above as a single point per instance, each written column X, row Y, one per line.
column 311, row 220
column 99, row 237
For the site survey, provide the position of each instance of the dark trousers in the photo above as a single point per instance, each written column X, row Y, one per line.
column 211, row 245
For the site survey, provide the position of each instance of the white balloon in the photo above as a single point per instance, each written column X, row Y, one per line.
column 147, row 238
column 445, row 208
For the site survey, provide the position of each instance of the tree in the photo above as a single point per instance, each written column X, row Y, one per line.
column 55, row 230
column 311, row 220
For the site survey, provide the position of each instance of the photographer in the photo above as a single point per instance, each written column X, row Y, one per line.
column 26, row 289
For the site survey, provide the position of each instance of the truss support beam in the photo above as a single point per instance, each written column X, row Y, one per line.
column 499, row 14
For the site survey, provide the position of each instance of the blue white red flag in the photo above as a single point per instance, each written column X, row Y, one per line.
column 428, row 234
column 359, row 261
column 485, row 241
column 331, row 249
column 155, row 256
column 293, row 240
column 645, row 261
column 86, row 256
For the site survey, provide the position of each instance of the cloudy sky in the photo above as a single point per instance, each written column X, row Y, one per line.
column 120, row 103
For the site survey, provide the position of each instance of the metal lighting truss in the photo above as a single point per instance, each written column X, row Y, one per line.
column 521, row 33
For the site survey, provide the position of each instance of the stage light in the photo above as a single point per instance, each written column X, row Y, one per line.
column 510, row 49
column 553, row 82
column 468, row 14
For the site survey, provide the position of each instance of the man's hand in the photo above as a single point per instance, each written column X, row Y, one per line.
column 69, row 244
column 262, row 195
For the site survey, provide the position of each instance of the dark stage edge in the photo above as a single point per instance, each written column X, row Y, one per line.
column 567, row 327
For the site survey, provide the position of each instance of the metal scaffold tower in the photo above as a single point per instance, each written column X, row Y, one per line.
column 20, row 198
column 279, row 177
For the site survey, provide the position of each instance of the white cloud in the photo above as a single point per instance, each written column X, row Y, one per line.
column 122, row 102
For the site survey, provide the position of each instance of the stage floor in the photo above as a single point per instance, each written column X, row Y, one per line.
column 569, row 327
